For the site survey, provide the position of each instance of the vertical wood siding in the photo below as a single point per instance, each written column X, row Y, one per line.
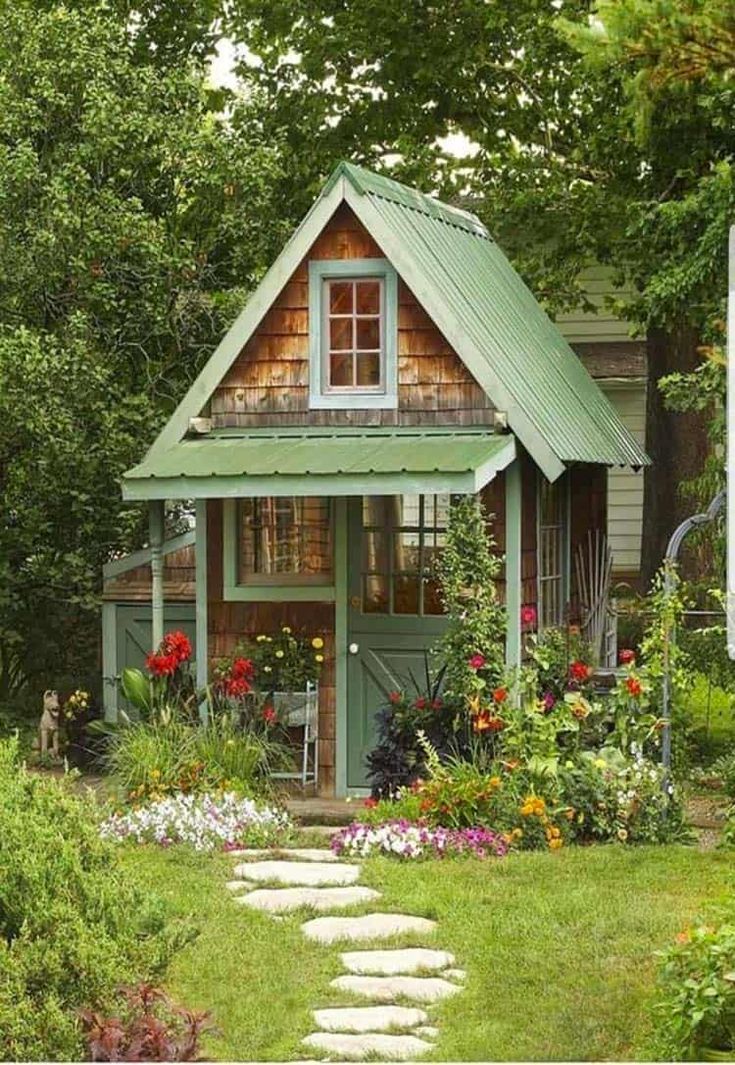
column 625, row 486
column 268, row 385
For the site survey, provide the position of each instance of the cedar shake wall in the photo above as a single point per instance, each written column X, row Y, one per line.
column 179, row 575
column 229, row 622
column 268, row 384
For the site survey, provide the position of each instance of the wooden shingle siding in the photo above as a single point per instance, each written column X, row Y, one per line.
column 625, row 486
column 268, row 385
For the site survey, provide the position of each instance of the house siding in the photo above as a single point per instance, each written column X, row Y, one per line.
column 625, row 500
column 268, row 384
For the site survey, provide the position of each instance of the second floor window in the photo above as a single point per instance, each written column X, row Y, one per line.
column 354, row 335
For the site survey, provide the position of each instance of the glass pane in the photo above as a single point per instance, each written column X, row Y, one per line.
column 340, row 370
column 340, row 297
column 406, row 551
column 284, row 536
column 375, row 552
column 405, row 594
column 432, row 598
column 368, row 334
column 367, row 297
column 376, row 510
column 368, row 370
column 340, row 334
column 436, row 511
column 409, row 511
column 375, row 598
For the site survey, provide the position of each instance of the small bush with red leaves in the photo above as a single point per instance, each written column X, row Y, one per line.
column 150, row 1028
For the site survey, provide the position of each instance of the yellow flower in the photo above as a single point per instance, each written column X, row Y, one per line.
column 279, row 654
column 286, row 629
column 230, row 743
column 600, row 763
column 318, row 658
column 495, row 782
column 555, row 844
column 155, row 773
column 260, row 639
column 317, row 643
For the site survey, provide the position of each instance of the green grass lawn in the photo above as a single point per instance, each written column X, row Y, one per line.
column 713, row 717
column 558, row 948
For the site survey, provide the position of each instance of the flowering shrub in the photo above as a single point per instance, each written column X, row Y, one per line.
column 204, row 822
column 405, row 839
column 696, row 1008
column 168, row 691
column 284, row 662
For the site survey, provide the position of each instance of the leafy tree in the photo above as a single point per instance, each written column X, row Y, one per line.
column 134, row 215
column 612, row 144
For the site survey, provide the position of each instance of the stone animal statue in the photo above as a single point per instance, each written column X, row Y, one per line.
column 49, row 724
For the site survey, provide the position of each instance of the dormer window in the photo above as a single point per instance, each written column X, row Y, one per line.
column 352, row 334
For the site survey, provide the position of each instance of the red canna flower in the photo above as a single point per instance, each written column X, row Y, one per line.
column 420, row 704
column 500, row 695
column 634, row 686
column 579, row 671
column 242, row 669
column 236, row 687
column 177, row 644
column 477, row 661
column 269, row 715
column 395, row 698
column 161, row 665
column 626, row 657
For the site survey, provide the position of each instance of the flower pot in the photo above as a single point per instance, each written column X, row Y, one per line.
column 295, row 709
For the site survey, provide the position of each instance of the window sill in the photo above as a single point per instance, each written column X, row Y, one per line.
column 353, row 401
column 279, row 593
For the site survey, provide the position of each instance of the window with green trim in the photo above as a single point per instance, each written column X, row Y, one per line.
column 352, row 334
column 284, row 540
column 401, row 539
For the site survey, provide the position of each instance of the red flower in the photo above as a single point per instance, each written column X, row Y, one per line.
column 420, row 704
column 626, row 657
column 370, row 803
column 500, row 695
column 177, row 644
column 242, row 669
column 528, row 615
column 579, row 671
column 437, row 704
column 236, row 687
column 161, row 665
column 634, row 686
column 487, row 722
column 477, row 661
column 395, row 698
column 269, row 715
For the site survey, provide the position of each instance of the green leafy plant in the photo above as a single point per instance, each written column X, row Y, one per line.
column 696, row 1006
column 72, row 924
column 282, row 662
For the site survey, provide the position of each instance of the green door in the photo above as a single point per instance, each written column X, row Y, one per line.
column 134, row 626
column 394, row 613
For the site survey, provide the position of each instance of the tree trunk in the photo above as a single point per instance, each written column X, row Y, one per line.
column 676, row 443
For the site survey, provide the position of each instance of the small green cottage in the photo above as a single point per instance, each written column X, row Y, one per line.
column 390, row 358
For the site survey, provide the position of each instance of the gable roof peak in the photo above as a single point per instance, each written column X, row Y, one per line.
column 369, row 183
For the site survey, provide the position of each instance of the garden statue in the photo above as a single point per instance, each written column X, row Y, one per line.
column 49, row 724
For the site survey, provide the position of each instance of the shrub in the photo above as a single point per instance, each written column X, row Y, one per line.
column 151, row 760
column 151, row 1028
column 71, row 925
column 696, row 1007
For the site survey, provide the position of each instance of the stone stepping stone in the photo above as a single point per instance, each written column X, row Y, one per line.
column 303, row 874
column 371, row 926
column 369, row 1018
column 300, row 854
column 370, row 1044
column 393, row 962
column 283, row 900
column 426, row 1031
column 387, row 988
column 456, row 974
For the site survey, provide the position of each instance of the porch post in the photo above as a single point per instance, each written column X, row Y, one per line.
column 155, row 520
column 202, row 635
column 340, row 643
column 513, row 508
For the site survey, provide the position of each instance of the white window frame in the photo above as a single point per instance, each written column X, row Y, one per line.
column 322, row 395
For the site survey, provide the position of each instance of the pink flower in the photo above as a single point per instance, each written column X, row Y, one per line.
column 626, row 657
column 528, row 615
column 477, row 661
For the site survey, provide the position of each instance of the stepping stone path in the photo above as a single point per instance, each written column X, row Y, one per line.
column 395, row 979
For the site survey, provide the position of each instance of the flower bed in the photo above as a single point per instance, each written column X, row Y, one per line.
column 205, row 822
column 406, row 839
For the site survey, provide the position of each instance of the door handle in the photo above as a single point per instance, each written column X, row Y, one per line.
column 354, row 648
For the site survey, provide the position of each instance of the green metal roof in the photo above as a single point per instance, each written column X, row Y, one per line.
column 518, row 354
column 321, row 462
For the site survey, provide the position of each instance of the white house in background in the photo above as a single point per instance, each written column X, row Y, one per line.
column 618, row 364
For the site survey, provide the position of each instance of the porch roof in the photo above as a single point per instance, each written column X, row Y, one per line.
column 335, row 462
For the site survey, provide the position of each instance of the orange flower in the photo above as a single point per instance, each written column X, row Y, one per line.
column 634, row 686
column 500, row 695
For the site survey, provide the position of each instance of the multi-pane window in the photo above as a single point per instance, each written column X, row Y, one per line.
column 354, row 344
column 401, row 539
column 285, row 538
column 552, row 552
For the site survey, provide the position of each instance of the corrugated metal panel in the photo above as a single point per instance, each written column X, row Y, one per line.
column 324, row 452
column 522, row 347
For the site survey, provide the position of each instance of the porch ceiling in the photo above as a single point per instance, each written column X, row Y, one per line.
column 330, row 462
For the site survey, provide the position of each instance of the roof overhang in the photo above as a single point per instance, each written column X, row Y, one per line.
column 322, row 462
